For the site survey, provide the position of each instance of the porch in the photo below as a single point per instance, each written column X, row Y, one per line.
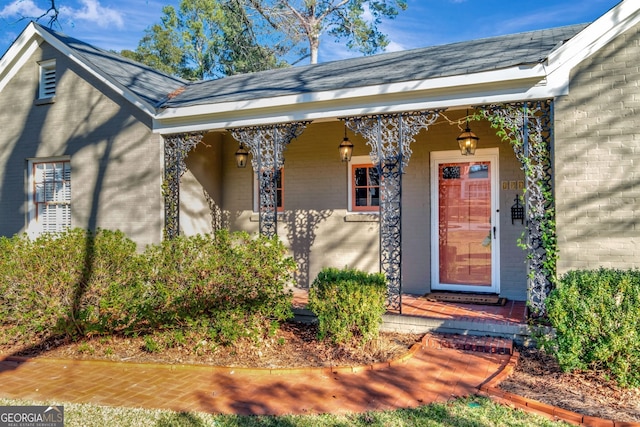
column 420, row 315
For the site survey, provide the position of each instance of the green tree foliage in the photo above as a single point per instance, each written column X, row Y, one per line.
column 206, row 39
column 160, row 48
column 307, row 20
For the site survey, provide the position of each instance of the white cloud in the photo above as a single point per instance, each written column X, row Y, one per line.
column 92, row 11
column 21, row 8
column 89, row 11
column 394, row 47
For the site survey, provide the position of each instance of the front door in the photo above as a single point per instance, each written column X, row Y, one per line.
column 464, row 243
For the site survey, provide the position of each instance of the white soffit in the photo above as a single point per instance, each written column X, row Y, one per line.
column 504, row 85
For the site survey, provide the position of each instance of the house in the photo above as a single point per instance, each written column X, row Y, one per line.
column 90, row 139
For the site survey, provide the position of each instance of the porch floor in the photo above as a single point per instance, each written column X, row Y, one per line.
column 420, row 315
column 415, row 305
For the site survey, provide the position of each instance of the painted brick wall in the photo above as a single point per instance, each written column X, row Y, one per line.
column 597, row 160
column 116, row 162
column 320, row 231
column 204, row 164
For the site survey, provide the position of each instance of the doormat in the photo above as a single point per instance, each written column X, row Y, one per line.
column 461, row 298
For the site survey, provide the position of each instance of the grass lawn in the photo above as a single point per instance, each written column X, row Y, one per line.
column 471, row 412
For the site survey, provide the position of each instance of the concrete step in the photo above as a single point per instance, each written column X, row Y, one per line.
column 516, row 332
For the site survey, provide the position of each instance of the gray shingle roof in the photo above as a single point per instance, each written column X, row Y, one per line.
column 150, row 85
column 417, row 64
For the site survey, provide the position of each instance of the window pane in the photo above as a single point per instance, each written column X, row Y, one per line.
column 39, row 192
column 374, row 179
column 49, row 191
column 361, row 197
column 52, row 195
column 39, row 173
column 360, row 175
column 375, row 196
column 479, row 171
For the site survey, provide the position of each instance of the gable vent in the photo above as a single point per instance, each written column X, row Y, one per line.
column 47, row 79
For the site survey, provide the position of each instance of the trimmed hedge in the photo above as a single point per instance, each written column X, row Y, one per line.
column 596, row 316
column 79, row 283
column 349, row 304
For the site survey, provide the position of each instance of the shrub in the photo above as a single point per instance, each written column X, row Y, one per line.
column 349, row 304
column 64, row 283
column 596, row 316
column 238, row 282
column 78, row 283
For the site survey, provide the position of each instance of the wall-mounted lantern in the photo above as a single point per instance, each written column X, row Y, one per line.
column 345, row 148
column 242, row 155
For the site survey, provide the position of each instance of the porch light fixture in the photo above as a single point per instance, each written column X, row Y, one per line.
column 241, row 157
column 345, row 148
column 467, row 141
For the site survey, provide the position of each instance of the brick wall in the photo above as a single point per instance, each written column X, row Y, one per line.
column 116, row 162
column 321, row 232
column 597, row 160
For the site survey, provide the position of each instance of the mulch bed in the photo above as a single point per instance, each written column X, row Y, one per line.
column 538, row 376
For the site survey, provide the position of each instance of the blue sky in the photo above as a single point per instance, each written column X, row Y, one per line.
column 120, row 24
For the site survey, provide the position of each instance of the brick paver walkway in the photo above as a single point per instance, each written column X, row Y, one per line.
column 430, row 375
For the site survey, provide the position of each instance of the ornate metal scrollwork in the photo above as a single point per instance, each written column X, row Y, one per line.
column 266, row 144
column 219, row 218
column 528, row 126
column 390, row 137
column 176, row 148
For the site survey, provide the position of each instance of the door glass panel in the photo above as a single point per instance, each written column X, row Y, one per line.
column 464, row 197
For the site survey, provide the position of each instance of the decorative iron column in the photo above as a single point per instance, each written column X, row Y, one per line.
column 176, row 148
column 390, row 137
column 266, row 145
column 528, row 126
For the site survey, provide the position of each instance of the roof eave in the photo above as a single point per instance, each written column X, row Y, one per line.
column 17, row 54
column 98, row 74
column 504, row 85
column 622, row 17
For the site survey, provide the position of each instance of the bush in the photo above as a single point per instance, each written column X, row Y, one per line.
column 596, row 316
column 349, row 304
column 63, row 284
column 78, row 283
column 237, row 282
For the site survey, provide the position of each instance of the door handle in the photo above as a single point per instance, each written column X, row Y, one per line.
column 494, row 233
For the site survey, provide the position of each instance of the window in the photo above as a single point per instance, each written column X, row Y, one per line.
column 279, row 192
column 364, row 186
column 47, row 87
column 49, row 195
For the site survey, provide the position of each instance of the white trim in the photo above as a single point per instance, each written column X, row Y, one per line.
column 46, row 71
column 256, row 191
column 503, row 75
column 31, row 32
column 369, row 100
column 33, row 227
column 10, row 70
column 356, row 160
column 482, row 154
column 594, row 37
